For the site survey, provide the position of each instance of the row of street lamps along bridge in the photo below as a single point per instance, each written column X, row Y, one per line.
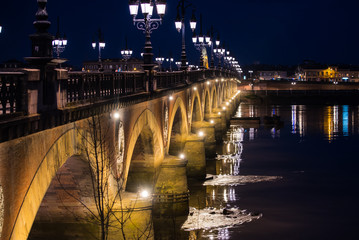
column 147, row 17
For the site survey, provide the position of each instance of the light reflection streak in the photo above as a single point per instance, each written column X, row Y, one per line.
column 251, row 134
column 294, row 119
column 301, row 120
column 251, row 110
column 223, row 234
column 239, row 111
column 232, row 194
column 336, row 120
column 345, row 120
column 225, row 197
column 328, row 123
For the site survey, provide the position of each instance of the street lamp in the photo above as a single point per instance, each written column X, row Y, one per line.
column 170, row 60
column 159, row 61
column 250, row 73
column 59, row 43
column 178, row 64
column 101, row 45
column 147, row 24
column 126, row 54
column 218, row 51
column 201, row 42
column 180, row 25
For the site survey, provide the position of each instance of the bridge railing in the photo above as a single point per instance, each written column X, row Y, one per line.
column 16, row 90
column 85, row 86
column 170, row 79
column 11, row 92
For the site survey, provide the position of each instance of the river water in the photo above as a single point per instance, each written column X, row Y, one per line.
column 296, row 179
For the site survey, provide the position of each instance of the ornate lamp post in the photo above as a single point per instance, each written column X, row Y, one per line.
column 179, row 64
column 59, row 43
column 201, row 42
column 218, row 51
column 170, row 60
column 126, row 54
column 181, row 27
column 159, row 60
column 101, row 45
column 147, row 24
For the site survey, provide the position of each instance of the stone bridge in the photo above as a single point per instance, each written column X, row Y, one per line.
column 155, row 140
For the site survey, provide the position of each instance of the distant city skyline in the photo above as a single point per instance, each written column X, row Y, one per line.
column 256, row 31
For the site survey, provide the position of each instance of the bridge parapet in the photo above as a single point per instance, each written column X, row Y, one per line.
column 11, row 92
column 78, row 94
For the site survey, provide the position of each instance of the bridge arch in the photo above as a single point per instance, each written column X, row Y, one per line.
column 196, row 111
column 69, row 141
column 178, row 127
column 219, row 95
column 68, row 191
column 145, row 153
column 207, row 102
column 214, row 98
column 64, row 147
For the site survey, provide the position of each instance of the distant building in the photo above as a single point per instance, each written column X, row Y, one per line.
column 266, row 72
column 114, row 65
column 272, row 75
column 324, row 73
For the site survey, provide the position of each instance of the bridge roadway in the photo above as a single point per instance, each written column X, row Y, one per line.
column 144, row 134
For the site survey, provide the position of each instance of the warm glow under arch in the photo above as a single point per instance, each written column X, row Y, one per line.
column 145, row 120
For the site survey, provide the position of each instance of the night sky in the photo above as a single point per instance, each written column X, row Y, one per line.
column 256, row 31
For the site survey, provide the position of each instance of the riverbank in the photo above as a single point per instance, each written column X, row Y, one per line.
column 326, row 97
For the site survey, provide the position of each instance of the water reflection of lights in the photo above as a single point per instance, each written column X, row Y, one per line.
column 225, row 197
column 345, row 120
column 239, row 112
column 294, row 119
column 236, row 134
column 229, row 194
column 298, row 119
column 301, row 120
column 223, row 233
column 233, row 151
column 251, row 110
column 232, row 194
column 251, row 134
column 335, row 119
column 275, row 133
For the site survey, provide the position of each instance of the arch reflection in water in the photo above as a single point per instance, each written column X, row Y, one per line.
column 229, row 162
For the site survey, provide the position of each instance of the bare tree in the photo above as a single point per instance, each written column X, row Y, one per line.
column 109, row 210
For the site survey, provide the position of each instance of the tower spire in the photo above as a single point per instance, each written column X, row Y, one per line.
column 42, row 23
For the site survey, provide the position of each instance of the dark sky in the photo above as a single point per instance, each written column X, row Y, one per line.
column 256, row 31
